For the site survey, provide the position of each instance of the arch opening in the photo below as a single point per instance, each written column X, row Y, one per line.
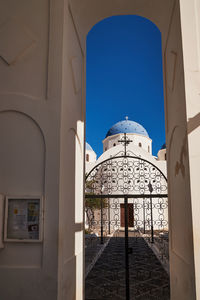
column 121, row 76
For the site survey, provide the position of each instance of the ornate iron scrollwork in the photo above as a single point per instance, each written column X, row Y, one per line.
column 126, row 175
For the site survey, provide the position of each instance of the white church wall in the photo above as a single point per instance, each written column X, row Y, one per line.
column 90, row 156
column 162, row 166
column 162, row 154
column 142, row 216
column 133, row 150
column 143, row 142
column 89, row 166
column 141, row 206
column 137, row 140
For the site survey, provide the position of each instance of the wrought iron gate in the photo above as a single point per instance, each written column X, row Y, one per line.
column 131, row 196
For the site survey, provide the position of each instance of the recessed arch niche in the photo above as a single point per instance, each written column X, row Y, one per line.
column 22, row 155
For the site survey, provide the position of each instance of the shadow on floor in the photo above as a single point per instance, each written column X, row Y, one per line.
column 148, row 279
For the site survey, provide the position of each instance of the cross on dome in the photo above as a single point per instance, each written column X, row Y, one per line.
column 124, row 140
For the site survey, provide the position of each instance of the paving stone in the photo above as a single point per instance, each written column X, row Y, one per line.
column 148, row 279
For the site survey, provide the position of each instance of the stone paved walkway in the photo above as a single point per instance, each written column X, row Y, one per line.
column 93, row 249
column 148, row 279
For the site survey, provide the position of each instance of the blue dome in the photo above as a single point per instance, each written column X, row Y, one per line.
column 127, row 126
column 88, row 147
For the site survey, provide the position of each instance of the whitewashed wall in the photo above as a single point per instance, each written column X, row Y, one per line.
column 113, row 140
column 42, row 54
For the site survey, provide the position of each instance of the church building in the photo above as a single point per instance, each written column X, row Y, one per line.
column 113, row 174
column 140, row 145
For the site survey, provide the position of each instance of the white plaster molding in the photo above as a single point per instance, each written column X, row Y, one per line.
column 15, row 41
column 77, row 74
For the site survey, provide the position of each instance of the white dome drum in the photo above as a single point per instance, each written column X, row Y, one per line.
column 135, row 132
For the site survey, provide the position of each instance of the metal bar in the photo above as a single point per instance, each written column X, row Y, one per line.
column 101, row 221
column 108, row 218
column 122, row 156
column 152, row 237
column 125, row 144
column 144, row 215
column 129, row 196
column 126, row 249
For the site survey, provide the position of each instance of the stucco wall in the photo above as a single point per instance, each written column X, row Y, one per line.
column 30, row 99
column 41, row 61
column 137, row 139
column 181, row 231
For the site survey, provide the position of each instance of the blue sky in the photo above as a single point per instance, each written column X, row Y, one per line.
column 124, row 78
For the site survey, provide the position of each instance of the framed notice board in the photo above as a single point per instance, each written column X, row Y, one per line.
column 23, row 219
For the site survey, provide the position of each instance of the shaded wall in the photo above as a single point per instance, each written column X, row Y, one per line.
column 42, row 53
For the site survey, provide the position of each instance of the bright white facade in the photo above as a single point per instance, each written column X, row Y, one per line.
column 90, row 156
column 162, row 154
column 140, row 145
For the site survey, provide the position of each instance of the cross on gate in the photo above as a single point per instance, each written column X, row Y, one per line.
column 126, row 141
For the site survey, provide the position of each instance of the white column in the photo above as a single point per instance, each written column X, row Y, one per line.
column 182, row 272
column 190, row 24
column 41, row 153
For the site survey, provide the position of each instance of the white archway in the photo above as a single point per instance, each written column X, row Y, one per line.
column 88, row 14
column 43, row 76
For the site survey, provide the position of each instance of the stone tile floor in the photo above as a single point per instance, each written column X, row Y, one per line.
column 148, row 279
column 93, row 247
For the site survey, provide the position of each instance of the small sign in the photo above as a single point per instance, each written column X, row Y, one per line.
column 23, row 219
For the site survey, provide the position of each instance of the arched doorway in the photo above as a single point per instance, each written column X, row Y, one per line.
column 127, row 199
column 174, row 95
column 43, row 77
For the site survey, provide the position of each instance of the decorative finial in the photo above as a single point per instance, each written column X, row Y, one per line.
column 126, row 118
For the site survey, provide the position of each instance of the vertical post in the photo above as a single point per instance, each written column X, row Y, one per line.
column 152, row 237
column 108, row 216
column 126, row 248
column 151, row 190
column 125, row 144
column 144, row 215
column 101, row 220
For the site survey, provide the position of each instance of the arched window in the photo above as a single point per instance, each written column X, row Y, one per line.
column 140, row 144
column 148, row 149
column 165, row 156
column 87, row 157
column 114, row 144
